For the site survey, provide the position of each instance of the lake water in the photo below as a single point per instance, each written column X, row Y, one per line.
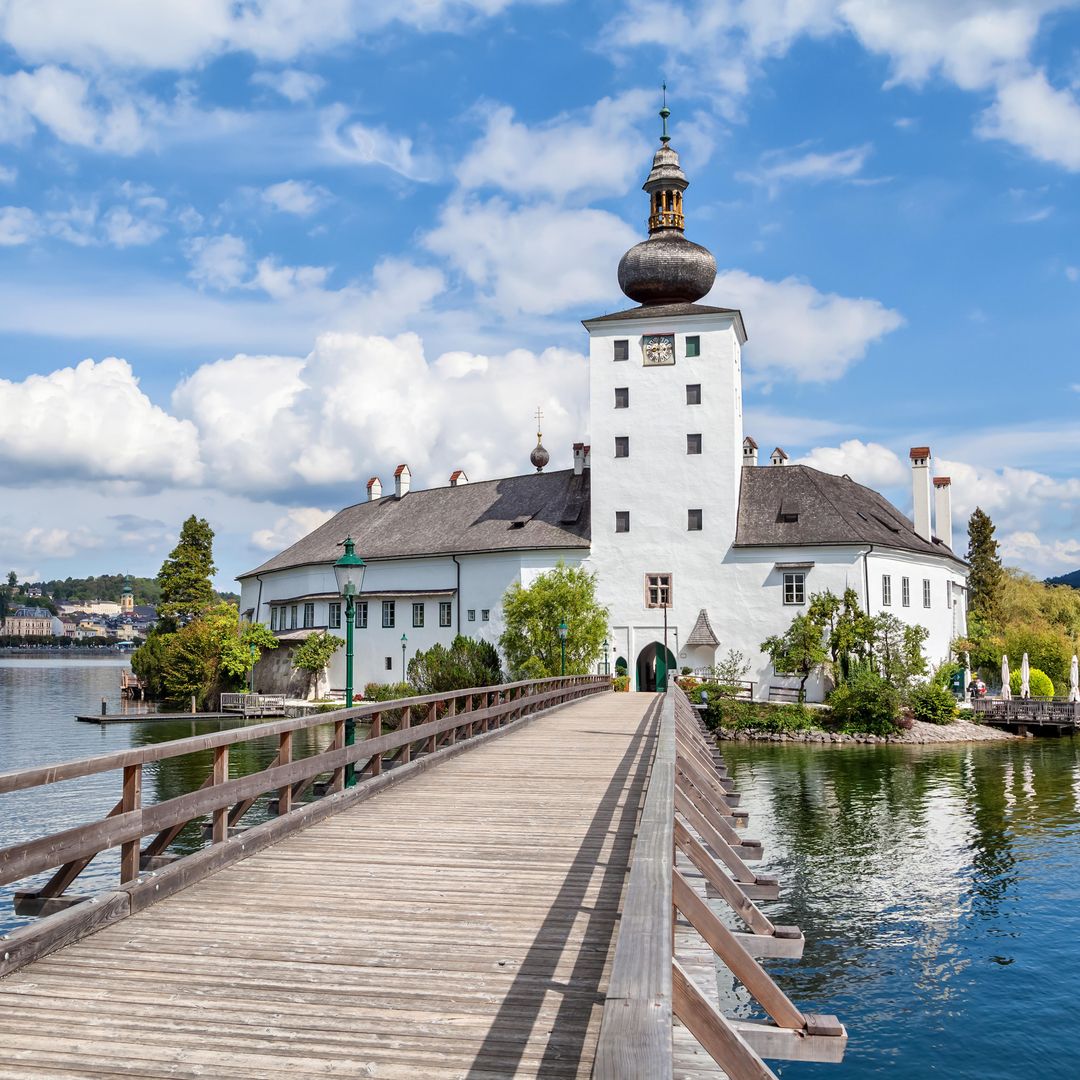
column 938, row 887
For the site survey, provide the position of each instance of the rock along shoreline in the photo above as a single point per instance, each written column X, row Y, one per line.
column 959, row 731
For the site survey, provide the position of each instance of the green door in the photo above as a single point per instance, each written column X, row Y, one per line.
column 661, row 671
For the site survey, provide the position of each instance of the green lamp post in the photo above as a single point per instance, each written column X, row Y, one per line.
column 349, row 571
column 404, row 643
column 563, row 631
column 607, row 666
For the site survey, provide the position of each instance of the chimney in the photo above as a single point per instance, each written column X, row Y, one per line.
column 777, row 457
column 581, row 458
column 920, row 489
column 943, row 509
column 402, row 477
column 374, row 489
column 749, row 451
column 458, row 478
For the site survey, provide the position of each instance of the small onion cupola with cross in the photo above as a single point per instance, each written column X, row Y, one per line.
column 539, row 456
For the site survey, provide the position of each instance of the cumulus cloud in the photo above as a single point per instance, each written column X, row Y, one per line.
column 1039, row 118
column 299, row 197
column 92, row 421
column 1051, row 557
column 796, row 330
column 218, row 262
column 123, row 229
column 867, row 463
column 290, row 527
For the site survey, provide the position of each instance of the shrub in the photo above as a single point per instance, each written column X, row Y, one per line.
column 1040, row 683
column 932, row 703
column 761, row 716
column 621, row 683
column 465, row 664
column 375, row 691
column 866, row 704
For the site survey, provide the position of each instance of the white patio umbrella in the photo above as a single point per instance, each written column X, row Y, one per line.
column 1074, row 680
column 967, row 674
column 1025, row 677
column 1006, row 692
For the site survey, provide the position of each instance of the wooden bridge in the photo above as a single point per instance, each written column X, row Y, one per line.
column 1059, row 717
column 517, row 883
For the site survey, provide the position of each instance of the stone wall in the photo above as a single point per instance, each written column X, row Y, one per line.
column 274, row 673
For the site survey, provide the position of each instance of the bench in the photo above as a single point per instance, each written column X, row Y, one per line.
column 784, row 693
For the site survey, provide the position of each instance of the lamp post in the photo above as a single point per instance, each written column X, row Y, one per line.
column 607, row 666
column 404, row 642
column 349, row 571
column 563, row 631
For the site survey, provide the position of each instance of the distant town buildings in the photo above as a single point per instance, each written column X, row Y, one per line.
column 32, row 622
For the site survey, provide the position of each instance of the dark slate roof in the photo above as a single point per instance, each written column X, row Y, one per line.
column 830, row 509
column 703, row 633
column 534, row 511
column 664, row 311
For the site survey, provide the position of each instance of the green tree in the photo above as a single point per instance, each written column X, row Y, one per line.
column 800, row 650
column 897, row 651
column 466, row 663
column 530, row 641
column 186, row 591
column 986, row 576
column 314, row 654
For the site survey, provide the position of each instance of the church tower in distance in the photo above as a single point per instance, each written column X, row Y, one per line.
column 665, row 393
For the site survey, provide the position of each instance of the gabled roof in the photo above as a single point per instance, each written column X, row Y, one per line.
column 703, row 633
column 828, row 510
column 547, row 510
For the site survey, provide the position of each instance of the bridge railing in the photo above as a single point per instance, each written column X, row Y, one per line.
column 687, row 833
column 410, row 731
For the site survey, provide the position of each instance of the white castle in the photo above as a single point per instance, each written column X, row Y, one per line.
column 693, row 542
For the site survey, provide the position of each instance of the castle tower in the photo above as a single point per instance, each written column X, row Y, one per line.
column 127, row 598
column 666, row 424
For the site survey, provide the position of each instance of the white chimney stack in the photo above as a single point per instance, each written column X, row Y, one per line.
column 778, row 457
column 920, row 489
column 374, row 489
column 749, row 451
column 458, row 478
column 581, row 458
column 402, row 479
column 943, row 509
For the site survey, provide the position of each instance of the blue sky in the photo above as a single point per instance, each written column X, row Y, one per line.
column 252, row 254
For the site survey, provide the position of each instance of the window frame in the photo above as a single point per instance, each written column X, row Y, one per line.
column 274, row 616
column 620, row 344
column 292, row 616
column 664, row 585
column 619, row 514
column 333, row 616
column 418, row 612
column 622, row 443
column 309, row 616
column 690, row 520
column 470, row 614
column 360, row 615
column 446, row 613
column 690, row 444
column 905, row 591
column 886, row 590
column 692, row 342
column 389, row 614
column 485, row 614
column 622, row 397
column 793, row 584
column 693, row 390
column 926, row 594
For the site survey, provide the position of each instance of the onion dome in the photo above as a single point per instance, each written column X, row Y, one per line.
column 667, row 268
column 539, row 457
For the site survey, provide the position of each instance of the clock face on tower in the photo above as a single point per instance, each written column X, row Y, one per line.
column 658, row 349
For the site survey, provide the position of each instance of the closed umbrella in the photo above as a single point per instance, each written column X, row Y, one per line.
column 1025, row 677
column 1074, row 680
column 967, row 674
column 1006, row 692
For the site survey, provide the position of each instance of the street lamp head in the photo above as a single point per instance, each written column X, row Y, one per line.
column 563, row 630
column 349, row 570
column 404, row 640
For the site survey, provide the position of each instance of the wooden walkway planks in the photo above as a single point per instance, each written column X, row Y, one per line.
column 458, row 925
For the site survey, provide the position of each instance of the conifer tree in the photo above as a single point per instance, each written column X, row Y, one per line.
column 986, row 576
column 184, row 577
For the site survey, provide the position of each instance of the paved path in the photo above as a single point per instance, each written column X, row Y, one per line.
column 457, row 925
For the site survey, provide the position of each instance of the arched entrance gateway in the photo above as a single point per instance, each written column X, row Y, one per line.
column 653, row 666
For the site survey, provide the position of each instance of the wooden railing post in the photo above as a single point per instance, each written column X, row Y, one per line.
column 131, row 800
column 284, row 757
column 406, row 723
column 220, row 831
column 374, row 733
column 338, row 781
column 433, row 712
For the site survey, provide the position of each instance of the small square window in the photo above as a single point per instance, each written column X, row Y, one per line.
column 418, row 614
column 926, row 592
column 622, row 445
column 886, row 590
column 693, row 346
column 389, row 663
column 445, row 612
column 333, row 616
column 360, row 618
column 622, row 521
column 693, row 444
column 795, row 588
column 485, row 614
column 693, row 520
column 658, row 590
column 622, row 397
column 905, row 592
column 472, row 614
column 622, row 349
column 389, row 613
column 693, row 393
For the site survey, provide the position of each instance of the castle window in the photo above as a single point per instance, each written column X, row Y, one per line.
column 445, row 612
column 622, row 445
column 794, row 588
column 905, row 591
column 693, row 444
column 360, row 615
column 292, row 617
column 389, row 613
column 622, row 397
column 472, row 614
column 658, row 590
column 693, row 346
column 622, row 349
column 389, row 663
column 274, row 617
column 693, row 393
column 622, row 521
column 333, row 616
column 886, row 590
column 693, row 520
column 418, row 614
column 309, row 615
column 926, row 592
column 485, row 614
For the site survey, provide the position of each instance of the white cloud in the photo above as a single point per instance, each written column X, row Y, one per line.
column 8, row 174
column 779, row 167
column 290, row 527
column 123, row 229
column 294, row 85
column 534, row 259
column 92, row 421
column 1045, row 556
column 599, row 151
column 280, row 281
column 300, row 197
column 219, row 262
column 364, row 145
column 867, row 463
column 1032, row 114
column 796, row 330
column 18, row 225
